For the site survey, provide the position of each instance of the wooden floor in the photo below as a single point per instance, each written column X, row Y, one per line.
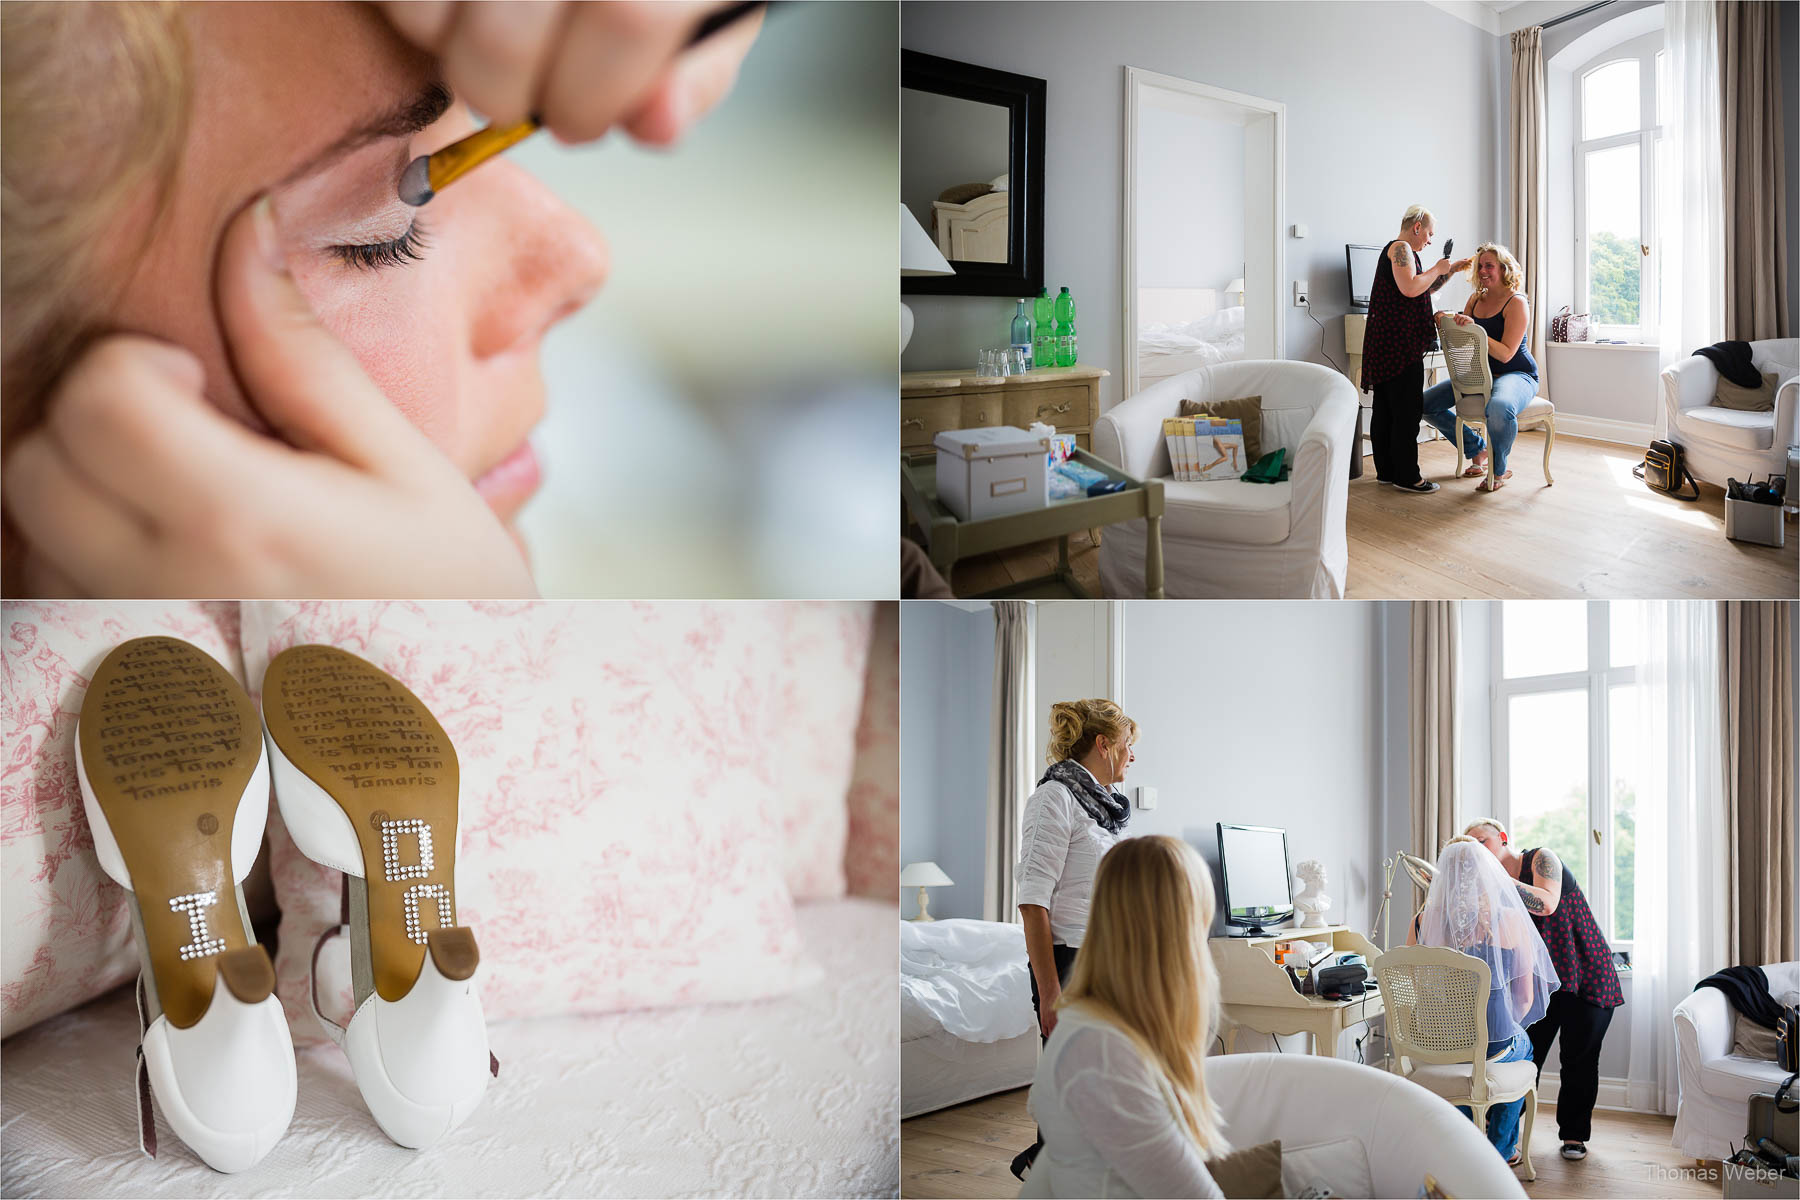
column 966, row 1151
column 1599, row 533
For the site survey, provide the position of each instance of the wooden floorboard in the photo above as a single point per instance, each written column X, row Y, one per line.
column 965, row 1152
column 1598, row 533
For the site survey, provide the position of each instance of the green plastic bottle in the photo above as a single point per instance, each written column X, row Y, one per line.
column 1065, row 329
column 1043, row 342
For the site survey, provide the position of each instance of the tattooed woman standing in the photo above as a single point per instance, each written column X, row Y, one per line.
column 1400, row 332
column 1583, row 1007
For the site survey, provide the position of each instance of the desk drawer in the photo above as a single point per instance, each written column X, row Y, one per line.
column 982, row 409
column 923, row 418
column 1064, row 407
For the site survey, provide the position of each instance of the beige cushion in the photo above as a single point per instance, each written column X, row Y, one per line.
column 1248, row 410
column 1253, row 1173
column 1228, row 510
column 1750, row 1040
column 1452, row 1081
column 1756, row 399
column 1732, row 427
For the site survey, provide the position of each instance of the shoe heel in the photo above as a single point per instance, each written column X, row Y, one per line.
column 175, row 787
column 367, row 782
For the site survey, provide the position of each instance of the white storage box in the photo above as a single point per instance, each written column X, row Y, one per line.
column 1747, row 521
column 991, row 472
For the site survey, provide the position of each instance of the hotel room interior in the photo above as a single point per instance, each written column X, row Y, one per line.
column 1651, row 744
column 1212, row 182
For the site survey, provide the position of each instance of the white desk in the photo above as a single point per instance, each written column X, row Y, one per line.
column 1256, row 994
column 1354, row 325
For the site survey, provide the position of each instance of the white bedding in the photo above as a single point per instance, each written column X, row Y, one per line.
column 938, row 1070
column 1169, row 349
column 798, row 1095
column 967, row 978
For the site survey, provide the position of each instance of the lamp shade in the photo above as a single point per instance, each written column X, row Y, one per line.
column 1236, row 285
column 918, row 253
column 924, row 874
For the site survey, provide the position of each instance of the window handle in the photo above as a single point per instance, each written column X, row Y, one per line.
column 1596, row 834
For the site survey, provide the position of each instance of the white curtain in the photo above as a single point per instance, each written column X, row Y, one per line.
column 1680, row 912
column 1011, row 778
column 1692, row 200
column 1433, row 730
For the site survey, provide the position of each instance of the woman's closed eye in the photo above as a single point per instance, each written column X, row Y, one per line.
column 409, row 247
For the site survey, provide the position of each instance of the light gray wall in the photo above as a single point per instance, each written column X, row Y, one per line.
column 947, row 679
column 1360, row 148
column 1190, row 200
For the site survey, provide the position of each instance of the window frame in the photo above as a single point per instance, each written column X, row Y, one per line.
column 1598, row 679
column 1648, row 138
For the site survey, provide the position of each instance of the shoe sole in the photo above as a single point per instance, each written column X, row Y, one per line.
column 169, row 742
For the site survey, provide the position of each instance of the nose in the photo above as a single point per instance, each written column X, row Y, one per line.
column 541, row 263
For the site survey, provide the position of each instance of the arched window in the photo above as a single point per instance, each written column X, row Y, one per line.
column 1619, row 105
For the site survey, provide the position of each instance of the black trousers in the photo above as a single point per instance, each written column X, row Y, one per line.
column 1065, row 962
column 1394, row 425
column 1583, row 1028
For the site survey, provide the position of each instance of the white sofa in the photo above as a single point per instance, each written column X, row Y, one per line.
column 1403, row 1131
column 1723, row 443
column 1716, row 1085
column 1227, row 538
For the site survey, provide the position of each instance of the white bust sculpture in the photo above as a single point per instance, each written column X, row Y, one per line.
column 1312, row 903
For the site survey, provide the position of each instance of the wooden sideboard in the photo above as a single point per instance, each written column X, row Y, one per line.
column 933, row 401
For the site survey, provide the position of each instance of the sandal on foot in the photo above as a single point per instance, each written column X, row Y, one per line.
column 366, row 780
column 1474, row 470
column 176, row 789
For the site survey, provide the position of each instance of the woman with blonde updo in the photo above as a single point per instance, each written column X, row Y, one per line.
column 1120, row 1092
column 1071, row 821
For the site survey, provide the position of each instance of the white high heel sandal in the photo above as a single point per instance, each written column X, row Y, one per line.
column 367, row 783
column 177, row 793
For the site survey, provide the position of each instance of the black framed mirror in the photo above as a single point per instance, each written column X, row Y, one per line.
column 972, row 174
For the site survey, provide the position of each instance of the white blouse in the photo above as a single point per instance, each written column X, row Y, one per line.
column 1060, row 849
column 1109, row 1120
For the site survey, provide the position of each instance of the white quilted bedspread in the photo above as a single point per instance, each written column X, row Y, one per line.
column 795, row 1096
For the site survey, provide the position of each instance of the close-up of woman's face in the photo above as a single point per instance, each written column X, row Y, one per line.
column 322, row 106
column 1487, row 270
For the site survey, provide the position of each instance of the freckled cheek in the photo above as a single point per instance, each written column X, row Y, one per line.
column 405, row 346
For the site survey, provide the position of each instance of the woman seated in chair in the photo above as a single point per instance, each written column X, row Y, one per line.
column 1474, row 907
column 1120, row 1093
column 1500, row 309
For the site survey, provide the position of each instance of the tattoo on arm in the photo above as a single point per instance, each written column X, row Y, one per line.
column 1534, row 903
column 1549, row 872
column 1400, row 255
column 1441, row 281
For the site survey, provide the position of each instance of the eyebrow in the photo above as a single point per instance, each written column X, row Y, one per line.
column 402, row 120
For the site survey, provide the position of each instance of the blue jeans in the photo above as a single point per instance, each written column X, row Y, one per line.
column 1512, row 392
column 1503, row 1119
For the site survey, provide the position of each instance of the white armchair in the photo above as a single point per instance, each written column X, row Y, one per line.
column 1713, row 1107
column 1404, row 1131
column 1227, row 538
column 1724, row 443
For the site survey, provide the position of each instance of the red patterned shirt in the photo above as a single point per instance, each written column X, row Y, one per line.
column 1401, row 329
column 1578, row 949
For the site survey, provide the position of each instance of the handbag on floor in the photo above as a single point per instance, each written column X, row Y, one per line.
column 1663, row 470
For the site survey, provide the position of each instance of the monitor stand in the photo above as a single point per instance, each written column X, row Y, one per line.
column 1252, row 931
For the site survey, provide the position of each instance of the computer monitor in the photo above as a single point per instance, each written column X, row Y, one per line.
column 1253, row 865
column 1361, row 262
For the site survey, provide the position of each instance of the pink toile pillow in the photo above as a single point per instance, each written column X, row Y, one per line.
column 68, row 927
column 626, row 789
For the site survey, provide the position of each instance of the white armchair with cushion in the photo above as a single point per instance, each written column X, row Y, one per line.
column 1725, row 443
column 1361, row 1131
column 1227, row 538
column 1716, row 1085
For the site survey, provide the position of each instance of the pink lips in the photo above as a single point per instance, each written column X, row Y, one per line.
column 511, row 481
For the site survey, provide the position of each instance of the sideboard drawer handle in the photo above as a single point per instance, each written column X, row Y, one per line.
column 913, row 422
column 981, row 416
column 1060, row 408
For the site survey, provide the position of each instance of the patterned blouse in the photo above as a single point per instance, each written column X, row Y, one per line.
column 1401, row 329
column 1578, row 949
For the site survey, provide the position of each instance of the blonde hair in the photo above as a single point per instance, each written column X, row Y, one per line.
column 1414, row 215
column 94, row 100
column 1145, row 968
column 1074, row 724
column 1461, row 837
column 1485, row 821
column 1511, row 273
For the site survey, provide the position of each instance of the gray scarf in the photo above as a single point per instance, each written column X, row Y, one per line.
column 1109, row 809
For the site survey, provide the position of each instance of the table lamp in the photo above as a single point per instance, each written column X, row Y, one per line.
column 924, row 875
column 1237, row 286
column 918, row 256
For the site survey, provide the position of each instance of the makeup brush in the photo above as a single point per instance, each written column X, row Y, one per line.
column 430, row 174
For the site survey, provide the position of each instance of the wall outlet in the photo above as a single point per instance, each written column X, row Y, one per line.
column 1299, row 293
column 1146, row 797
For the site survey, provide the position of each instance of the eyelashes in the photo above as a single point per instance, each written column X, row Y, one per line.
column 409, row 247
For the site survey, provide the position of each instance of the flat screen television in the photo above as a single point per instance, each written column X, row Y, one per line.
column 1253, row 865
column 1361, row 262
